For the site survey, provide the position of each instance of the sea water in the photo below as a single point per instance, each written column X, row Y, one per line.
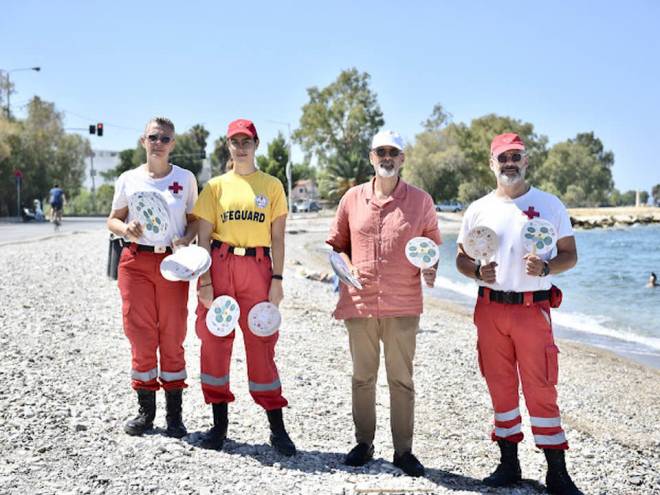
column 606, row 303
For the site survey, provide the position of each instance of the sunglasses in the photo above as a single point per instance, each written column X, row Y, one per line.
column 156, row 137
column 515, row 157
column 382, row 152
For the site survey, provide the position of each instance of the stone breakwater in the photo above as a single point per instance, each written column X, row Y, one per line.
column 64, row 366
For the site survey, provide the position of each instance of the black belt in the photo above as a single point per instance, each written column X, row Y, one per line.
column 507, row 297
column 149, row 249
column 239, row 251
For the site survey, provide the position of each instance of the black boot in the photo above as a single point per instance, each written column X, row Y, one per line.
column 279, row 438
column 557, row 481
column 145, row 419
column 175, row 426
column 215, row 437
column 508, row 472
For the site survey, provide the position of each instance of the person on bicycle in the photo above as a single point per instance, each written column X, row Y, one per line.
column 57, row 200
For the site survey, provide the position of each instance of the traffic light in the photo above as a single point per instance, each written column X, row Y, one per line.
column 92, row 129
column 99, row 129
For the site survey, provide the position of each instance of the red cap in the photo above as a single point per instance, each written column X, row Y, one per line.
column 242, row 126
column 505, row 142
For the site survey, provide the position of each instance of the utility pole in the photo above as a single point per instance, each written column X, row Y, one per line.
column 92, row 174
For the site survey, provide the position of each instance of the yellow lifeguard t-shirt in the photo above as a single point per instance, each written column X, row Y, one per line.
column 241, row 208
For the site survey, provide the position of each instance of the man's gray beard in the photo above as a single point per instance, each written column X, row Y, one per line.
column 507, row 180
column 383, row 172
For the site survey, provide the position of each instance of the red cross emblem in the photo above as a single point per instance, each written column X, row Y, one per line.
column 175, row 188
column 531, row 213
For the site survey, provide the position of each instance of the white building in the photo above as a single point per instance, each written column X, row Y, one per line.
column 103, row 160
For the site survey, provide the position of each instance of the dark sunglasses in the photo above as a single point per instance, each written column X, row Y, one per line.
column 156, row 137
column 382, row 152
column 515, row 157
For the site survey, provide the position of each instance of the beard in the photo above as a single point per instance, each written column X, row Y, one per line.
column 386, row 172
column 510, row 180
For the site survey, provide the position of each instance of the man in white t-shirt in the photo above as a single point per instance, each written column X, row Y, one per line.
column 512, row 313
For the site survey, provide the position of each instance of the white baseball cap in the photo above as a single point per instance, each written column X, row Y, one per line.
column 387, row 138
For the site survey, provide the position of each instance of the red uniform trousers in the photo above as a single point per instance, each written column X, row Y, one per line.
column 246, row 279
column 155, row 314
column 516, row 339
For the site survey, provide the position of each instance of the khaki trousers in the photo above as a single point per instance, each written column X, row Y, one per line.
column 398, row 335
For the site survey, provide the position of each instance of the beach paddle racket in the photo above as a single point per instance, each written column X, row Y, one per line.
column 481, row 243
column 422, row 252
column 342, row 271
column 186, row 264
column 222, row 317
column 264, row 319
column 151, row 210
column 539, row 236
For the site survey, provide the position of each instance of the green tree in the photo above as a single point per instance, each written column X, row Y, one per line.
column 474, row 141
column 643, row 198
column 220, row 156
column 628, row 198
column 128, row 159
column 40, row 148
column 336, row 127
column 655, row 192
column 580, row 162
column 274, row 162
column 435, row 162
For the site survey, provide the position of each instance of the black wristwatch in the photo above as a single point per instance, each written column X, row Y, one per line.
column 477, row 271
column 546, row 269
column 277, row 277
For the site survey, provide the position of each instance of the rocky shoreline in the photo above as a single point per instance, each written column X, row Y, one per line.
column 65, row 371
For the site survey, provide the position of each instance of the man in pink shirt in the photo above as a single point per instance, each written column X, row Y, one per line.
column 374, row 221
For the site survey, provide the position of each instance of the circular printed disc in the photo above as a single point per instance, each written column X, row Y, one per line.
column 222, row 316
column 186, row 264
column 264, row 319
column 151, row 210
column 422, row 252
column 539, row 236
column 341, row 269
column 481, row 243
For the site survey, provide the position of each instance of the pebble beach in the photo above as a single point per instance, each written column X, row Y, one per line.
column 65, row 371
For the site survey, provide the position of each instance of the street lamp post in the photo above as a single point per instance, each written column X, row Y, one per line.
column 36, row 69
column 288, row 163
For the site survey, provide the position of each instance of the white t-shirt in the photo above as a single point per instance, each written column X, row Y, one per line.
column 507, row 218
column 179, row 188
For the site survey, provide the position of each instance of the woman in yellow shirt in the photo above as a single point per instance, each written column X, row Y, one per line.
column 242, row 221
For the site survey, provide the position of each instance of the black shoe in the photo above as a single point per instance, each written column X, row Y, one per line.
column 145, row 419
column 558, row 481
column 279, row 438
column 409, row 464
column 508, row 471
column 359, row 455
column 214, row 439
column 175, row 426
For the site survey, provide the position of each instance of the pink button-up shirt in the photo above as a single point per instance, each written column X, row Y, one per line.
column 374, row 234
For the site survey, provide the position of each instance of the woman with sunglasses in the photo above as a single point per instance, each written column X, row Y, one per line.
column 242, row 217
column 154, row 309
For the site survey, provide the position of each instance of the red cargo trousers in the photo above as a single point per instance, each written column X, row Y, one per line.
column 516, row 340
column 154, row 313
column 246, row 279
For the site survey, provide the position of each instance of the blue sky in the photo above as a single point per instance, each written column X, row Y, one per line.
column 567, row 67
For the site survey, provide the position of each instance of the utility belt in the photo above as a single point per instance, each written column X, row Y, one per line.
column 554, row 295
column 240, row 251
column 143, row 247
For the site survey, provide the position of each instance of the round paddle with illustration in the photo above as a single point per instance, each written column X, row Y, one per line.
column 264, row 319
column 539, row 236
column 186, row 264
column 151, row 210
column 342, row 271
column 481, row 243
column 222, row 317
column 422, row 252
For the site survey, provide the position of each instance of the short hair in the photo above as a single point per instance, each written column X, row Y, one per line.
column 162, row 122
